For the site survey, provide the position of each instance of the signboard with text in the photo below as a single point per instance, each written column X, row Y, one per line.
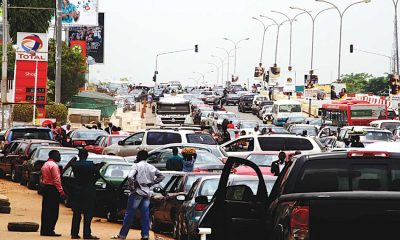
column 32, row 47
column 79, row 13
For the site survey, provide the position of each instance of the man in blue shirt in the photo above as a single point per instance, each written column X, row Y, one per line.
column 70, row 12
column 175, row 163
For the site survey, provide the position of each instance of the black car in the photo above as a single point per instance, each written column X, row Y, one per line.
column 245, row 103
column 83, row 137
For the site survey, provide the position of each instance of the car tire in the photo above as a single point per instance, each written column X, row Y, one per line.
column 14, row 176
column 5, row 209
column 111, row 216
column 23, row 181
column 22, row 227
column 154, row 225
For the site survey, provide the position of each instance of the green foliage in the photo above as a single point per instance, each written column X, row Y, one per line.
column 23, row 112
column 11, row 61
column 29, row 20
column 356, row 82
column 72, row 72
column 377, row 85
column 57, row 111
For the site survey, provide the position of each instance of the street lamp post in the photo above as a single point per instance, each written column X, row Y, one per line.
column 203, row 75
column 216, row 67
column 313, row 19
column 290, row 20
column 263, row 39
column 228, row 53
column 341, row 14
column 277, row 36
column 235, row 44
column 395, row 3
column 222, row 66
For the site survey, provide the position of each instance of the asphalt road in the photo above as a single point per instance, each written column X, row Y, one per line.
column 244, row 116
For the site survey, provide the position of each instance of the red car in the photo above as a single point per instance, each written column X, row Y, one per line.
column 104, row 141
column 263, row 161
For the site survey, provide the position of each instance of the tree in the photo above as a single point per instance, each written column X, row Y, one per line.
column 377, row 86
column 57, row 111
column 355, row 83
column 23, row 112
column 29, row 20
column 72, row 72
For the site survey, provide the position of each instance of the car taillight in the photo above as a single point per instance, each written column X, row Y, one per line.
column 367, row 154
column 79, row 143
column 299, row 222
column 200, row 207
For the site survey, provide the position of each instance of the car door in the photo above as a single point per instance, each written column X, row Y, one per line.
column 101, row 144
column 237, row 213
column 13, row 156
column 131, row 145
column 4, row 166
column 241, row 147
column 159, row 200
column 171, row 203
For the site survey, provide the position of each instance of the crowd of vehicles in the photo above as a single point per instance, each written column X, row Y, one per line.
column 341, row 169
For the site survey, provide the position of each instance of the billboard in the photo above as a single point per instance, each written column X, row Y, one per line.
column 259, row 74
column 79, row 12
column 289, row 84
column 310, row 81
column 32, row 47
column 394, row 84
column 79, row 47
column 94, row 37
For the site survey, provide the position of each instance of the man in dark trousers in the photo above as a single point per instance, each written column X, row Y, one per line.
column 51, row 191
column 278, row 165
column 83, row 194
column 175, row 162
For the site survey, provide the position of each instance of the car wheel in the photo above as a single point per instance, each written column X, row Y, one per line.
column 31, row 184
column 23, row 180
column 111, row 216
column 5, row 209
column 154, row 226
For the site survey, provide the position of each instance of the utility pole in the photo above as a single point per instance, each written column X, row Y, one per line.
column 4, row 65
column 58, row 52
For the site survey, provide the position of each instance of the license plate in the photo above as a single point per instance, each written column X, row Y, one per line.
column 217, row 171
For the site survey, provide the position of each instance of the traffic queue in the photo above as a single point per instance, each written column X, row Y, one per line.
column 286, row 176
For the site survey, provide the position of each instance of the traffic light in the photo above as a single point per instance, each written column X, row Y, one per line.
column 196, row 48
column 351, row 48
column 154, row 78
column 266, row 77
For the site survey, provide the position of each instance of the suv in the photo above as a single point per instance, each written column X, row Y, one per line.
column 27, row 132
column 150, row 139
column 245, row 103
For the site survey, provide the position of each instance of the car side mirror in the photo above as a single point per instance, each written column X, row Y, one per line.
column 157, row 190
column 240, row 193
column 201, row 200
column 181, row 197
column 121, row 143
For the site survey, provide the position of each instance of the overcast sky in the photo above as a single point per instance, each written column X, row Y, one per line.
column 136, row 30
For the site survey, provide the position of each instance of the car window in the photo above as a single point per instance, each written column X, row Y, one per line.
column 99, row 140
column 163, row 138
column 201, row 139
column 263, row 159
column 13, row 148
column 209, row 187
column 282, row 143
column 135, row 138
column 31, row 133
column 207, row 158
column 117, row 171
column 90, row 135
column 172, row 187
column 241, row 145
column 190, row 180
column 22, row 148
column 253, row 184
column 165, row 156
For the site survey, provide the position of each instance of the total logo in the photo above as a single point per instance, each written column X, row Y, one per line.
column 31, row 43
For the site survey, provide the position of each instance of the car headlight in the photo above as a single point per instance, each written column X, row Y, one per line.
column 101, row 185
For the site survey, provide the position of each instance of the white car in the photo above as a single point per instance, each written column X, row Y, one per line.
column 219, row 116
column 244, row 145
column 247, row 126
column 386, row 124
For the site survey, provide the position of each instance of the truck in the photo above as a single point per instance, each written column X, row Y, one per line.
column 77, row 117
column 173, row 110
column 337, row 195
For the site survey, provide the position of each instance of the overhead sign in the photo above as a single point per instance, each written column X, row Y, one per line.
column 290, row 83
column 259, row 74
column 310, row 81
column 394, row 84
column 32, row 47
column 94, row 37
column 79, row 13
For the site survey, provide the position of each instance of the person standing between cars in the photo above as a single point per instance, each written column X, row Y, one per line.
column 52, row 190
column 230, row 125
column 141, row 177
column 278, row 165
column 189, row 158
column 83, row 195
column 109, row 129
column 270, row 91
column 174, row 163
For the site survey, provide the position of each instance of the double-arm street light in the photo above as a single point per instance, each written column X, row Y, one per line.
column 228, row 55
column 236, row 46
column 222, row 66
column 263, row 38
column 313, row 19
column 203, row 75
column 290, row 20
column 217, row 68
column 341, row 14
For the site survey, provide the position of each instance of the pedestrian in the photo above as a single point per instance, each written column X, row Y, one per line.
column 242, row 133
column 230, row 125
column 68, row 128
column 226, row 137
column 52, row 191
column 355, row 142
column 109, row 129
column 174, row 163
column 278, row 165
column 83, row 194
column 270, row 92
column 189, row 158
column 150, row 99
column 99, row 126
column 141, row 178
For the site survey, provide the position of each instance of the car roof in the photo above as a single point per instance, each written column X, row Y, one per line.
column 35, row 141
column 286, row 102
column 29, row 127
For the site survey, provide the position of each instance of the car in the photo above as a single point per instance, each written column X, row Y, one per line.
column 258, row 102
column 266, row 109
column 263, row 160
column 213, row 100
column 367, row 135
column 294, row 120
column 216, row 118
column 232, row 99
column 27, row 132
column 104, row 141
column 32, row 166
column 299, row 129
column 205, row 161
column 245, row 103
column 197, row 200
column 18, row 151
column 83, row 137
column 248, row 126
column 386, row 124
column 272, row 129
column 244, row 145
column 151, row 139
column 164, row 205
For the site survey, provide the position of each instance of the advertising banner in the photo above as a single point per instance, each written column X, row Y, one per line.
column 310, row 81
column 79, row 13
column 289, row 84
column 79, row 47
column 394, row 84
column 274, row 74
column 259, row 74
column 94, row 37
column 32, row 47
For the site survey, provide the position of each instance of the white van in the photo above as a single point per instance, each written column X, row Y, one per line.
column 283, row 109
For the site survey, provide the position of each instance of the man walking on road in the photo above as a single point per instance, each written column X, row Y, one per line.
column 52, row 191
column 141, row 177
column 278, row 165
column 175, row 162
column 83, row 194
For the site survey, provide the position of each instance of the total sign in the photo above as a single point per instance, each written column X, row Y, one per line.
column 32, row 46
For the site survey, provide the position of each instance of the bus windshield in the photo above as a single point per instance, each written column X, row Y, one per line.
column 290, row 108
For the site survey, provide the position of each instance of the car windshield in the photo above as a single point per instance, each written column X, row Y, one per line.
column 117, row 171
column 209, row 187
column 115, row 140
column 263, row 159
column 390, row 125
column 90, row 135
column 43, row 153
column 248, row 125
column 289, row 108
column 311, row 131
column 206, row 158
column 201, row 139
column 227, row 116
column 377, row 136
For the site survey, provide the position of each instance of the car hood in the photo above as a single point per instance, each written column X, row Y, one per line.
column 244, row 170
